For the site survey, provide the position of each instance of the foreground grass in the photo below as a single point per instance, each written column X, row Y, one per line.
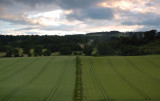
column 113, row 78
column 37, row 79
column 119, row 78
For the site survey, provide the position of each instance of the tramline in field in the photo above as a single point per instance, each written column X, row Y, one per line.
column 38, row 79
column 109, row 78
column 121, row 78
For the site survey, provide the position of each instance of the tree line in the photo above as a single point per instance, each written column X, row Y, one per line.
column 134, row 43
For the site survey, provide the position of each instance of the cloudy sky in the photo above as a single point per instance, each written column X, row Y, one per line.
column 59, row 17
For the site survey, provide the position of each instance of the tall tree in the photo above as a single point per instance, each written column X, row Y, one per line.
column 38, row 50
column 105, row 49
column 9, row 53
column 88, row 50
column 16, row 53
column 65, row 50
column 149, row 35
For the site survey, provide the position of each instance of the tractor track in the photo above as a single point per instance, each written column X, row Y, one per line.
column 54, row 89
column 6, row 98
column 21, row 69
column 146, row 97
column 92, row 68
column 136, row 67
column 9, row 65
column 147, row 60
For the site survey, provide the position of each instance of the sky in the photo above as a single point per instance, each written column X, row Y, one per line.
column 63, row 17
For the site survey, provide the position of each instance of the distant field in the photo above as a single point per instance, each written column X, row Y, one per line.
column 2, row 54
column 119, row 78
column 37, row 78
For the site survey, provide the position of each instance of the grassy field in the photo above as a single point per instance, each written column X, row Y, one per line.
column 119, row 78
column 37, row 78
column 111, row 78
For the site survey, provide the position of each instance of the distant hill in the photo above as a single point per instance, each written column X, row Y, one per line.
column 116, row 34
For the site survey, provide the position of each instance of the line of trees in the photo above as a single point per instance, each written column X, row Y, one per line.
column 13, row 53
column 105, row 44
column 130, row 45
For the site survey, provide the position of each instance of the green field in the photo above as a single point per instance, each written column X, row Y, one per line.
column 109, row 78
column 37, row 78
column 119, row 78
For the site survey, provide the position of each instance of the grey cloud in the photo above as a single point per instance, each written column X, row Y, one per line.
column 29, row 2
column 152, row 3
column 147, row 28
column 35, row 2
column 5, row 2
column 148, row 22
column 14, row 21
column 92, row 13
column 155, row 22
column 70, row 4
column 142, row 19
column 21, row 21
column 85, row 7
column 83, row 10
column 66, row 4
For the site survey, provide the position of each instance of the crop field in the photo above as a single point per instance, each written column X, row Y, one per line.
column 37, row 78
column 109, row 78
column 121, row 78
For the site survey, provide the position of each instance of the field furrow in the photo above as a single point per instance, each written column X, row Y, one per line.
column 146, row 97
column 19, row 70
column 39, row 79
column 89, row 83
column 140, row 70
column 9, row 65
column 151, row 62
column 129, row 78
column 104, row 93
column 65, row 89
column 54, row 89
column 7, row 97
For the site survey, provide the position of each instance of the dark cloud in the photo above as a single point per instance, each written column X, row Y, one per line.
column 35, row 2
column 92, row 13
column 83, row 9
column 5, row 2
column 148, row 28
column 17, row 19
column 66, row 4
column 29, row 2
column 70, row 4
column 87, row 9
column 142, row 19
column 148, row 22
column 155, row 22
